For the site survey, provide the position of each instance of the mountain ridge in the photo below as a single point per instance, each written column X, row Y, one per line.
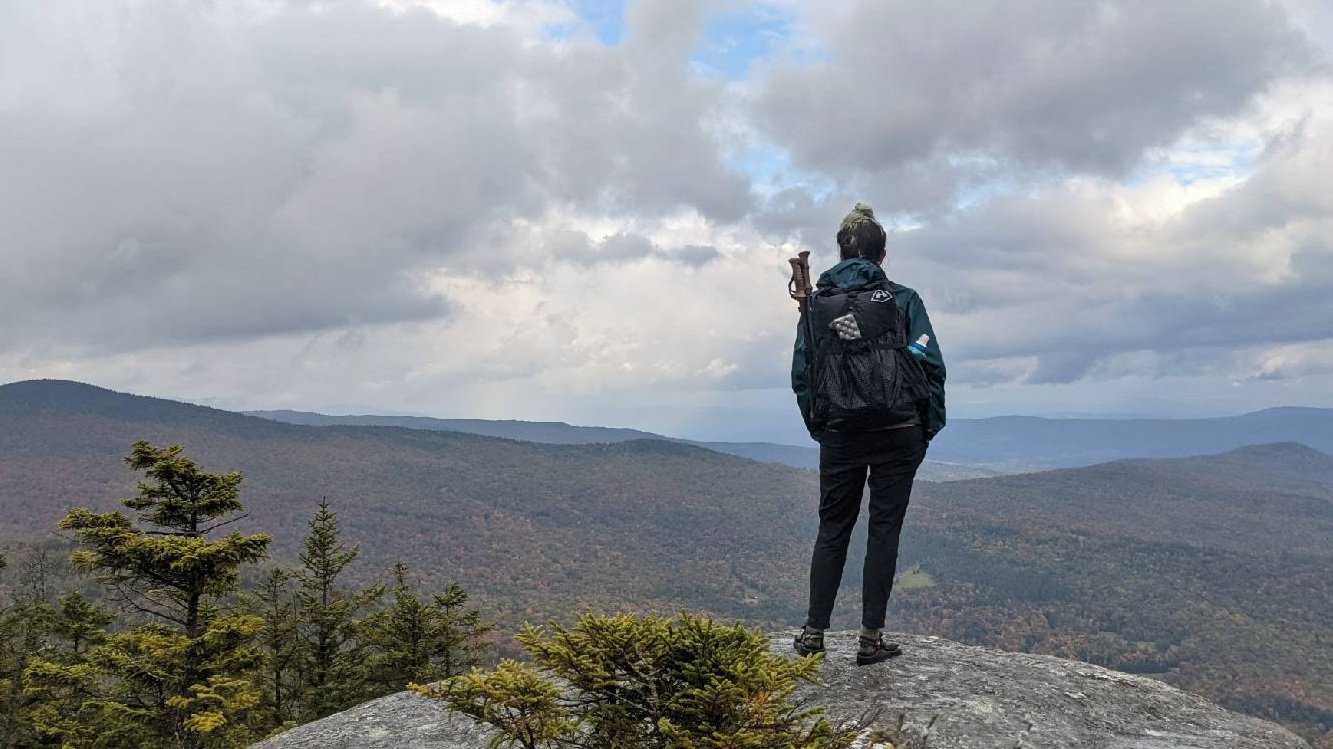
column 967, row 449
column 1213, row 573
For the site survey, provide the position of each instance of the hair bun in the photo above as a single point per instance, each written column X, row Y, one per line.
column 860, row 235
column 861, row 213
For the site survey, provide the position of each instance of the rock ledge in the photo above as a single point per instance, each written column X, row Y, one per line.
column 979, row 699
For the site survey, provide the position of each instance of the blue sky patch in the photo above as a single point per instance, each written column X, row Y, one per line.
column 771, row 171
column 732, row 42
column 1189, row 165
column 729, row 43
column 605, row 17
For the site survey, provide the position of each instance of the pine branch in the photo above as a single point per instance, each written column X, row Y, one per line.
column 236, row 519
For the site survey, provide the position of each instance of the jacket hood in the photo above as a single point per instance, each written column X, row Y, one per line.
column 852, row 274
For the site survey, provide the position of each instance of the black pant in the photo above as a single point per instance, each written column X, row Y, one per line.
column 891, row 457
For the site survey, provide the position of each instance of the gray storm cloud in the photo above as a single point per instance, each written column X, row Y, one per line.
column 577, row 247
column 1004, row 128
column 1030, row 83
column 177, row 174
column 1074, row 284
column 366, row 192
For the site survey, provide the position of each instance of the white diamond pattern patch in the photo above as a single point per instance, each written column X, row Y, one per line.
column 846, row 327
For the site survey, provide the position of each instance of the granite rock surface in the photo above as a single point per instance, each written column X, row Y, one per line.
column 938, row 694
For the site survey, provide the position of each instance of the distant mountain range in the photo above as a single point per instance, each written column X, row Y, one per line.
column 1062, row 443
column 547, row 432
column 967, row 448
column 560, row 433
column 1214, row 573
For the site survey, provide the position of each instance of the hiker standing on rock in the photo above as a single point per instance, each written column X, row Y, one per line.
column 869, row 380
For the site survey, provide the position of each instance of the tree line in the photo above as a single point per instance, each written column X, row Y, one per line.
column 177, row 654
column 191, row 659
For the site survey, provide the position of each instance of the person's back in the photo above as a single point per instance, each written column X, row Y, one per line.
column 869, row 381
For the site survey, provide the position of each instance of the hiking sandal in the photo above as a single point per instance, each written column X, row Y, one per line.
column 809, row 641
column 876, row 650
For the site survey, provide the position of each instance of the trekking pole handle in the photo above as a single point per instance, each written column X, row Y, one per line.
column 799, row 287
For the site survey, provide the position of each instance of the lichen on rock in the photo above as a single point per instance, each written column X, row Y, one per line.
column 939, row 695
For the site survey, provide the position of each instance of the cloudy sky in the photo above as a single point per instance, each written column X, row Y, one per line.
column 581, row 210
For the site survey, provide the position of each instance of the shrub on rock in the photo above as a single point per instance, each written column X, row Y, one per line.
column 630, row 681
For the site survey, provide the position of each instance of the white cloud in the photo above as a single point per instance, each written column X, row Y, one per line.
column 442, row 207
column 533, row 18
column 1032, row 83
column 216, row 175
column 1088, row 269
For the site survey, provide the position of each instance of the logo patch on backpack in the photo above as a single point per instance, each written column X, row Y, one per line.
column 846, row 327
column 880, row 295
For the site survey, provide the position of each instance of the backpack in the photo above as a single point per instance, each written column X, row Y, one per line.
column 861, row 376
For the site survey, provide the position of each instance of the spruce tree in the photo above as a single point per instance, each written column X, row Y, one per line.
column 15, row 731
column 415, row 640
column 11, row 671
column 645, row 682
column 275, row 604
column 33, row 634
column 27, row 633
column 34, row 616
column 78, row 624
column 184, row 679
column 333, row 671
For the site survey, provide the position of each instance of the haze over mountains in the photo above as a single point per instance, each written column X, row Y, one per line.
column 968, row 448
column 1064, row 443
column 1213, row 572
column 559, row 433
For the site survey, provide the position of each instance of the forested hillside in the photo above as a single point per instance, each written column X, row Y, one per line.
column 535, row 530
column 1212, row 572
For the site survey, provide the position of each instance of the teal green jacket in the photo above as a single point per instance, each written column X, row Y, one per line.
column 854, row 274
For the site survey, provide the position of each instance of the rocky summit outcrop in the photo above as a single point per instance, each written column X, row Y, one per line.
column 950, row 696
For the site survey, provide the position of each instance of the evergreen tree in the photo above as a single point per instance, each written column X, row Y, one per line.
column 631, row 682
column 15, row 730
column 422, row 641
column 78, row 625
column 34, row 616
column 35, row 633
column 11, row 670
column 129, row 690
column 27, row 632
column 184, row 679
column 275, row 604
column 333, row 670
